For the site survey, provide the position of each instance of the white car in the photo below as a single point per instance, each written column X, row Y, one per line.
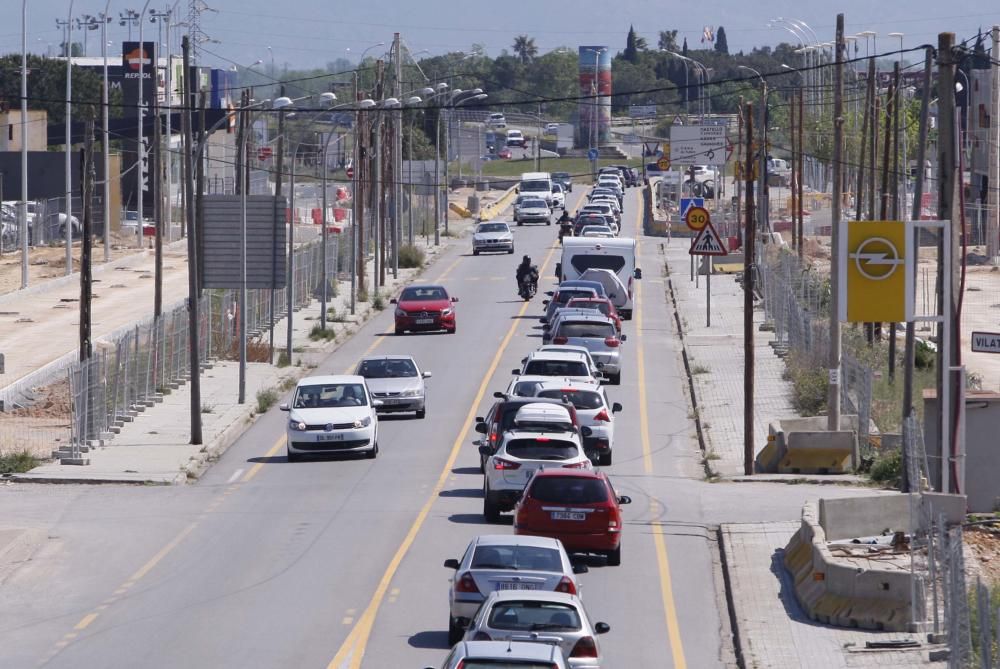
column 609, row 199
column 543, row 436
column 526, row 386
column 597, row 231
column 515, row 138
column 593, row 410
column 523, row 654
column 496, row 120
column 562, row 364
column 532, row 209
column 492, row 236
column 494, row 562
column 332, row 414
column 568, row 348
column 558, row 197
column 552, row 128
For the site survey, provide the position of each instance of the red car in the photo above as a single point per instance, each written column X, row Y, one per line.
column 423, row 309
column 505, row 153
column 577, row 506
column 602, row 304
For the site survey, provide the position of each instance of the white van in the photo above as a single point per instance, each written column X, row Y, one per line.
column 537, row 183
column 580, row 254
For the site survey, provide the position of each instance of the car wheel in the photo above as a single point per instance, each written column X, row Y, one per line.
column 604, row 460
column 292, row 457
column 455, row 632
column 452, row 330
column 400, row 332
column 615, row 379
column 510, row 251
column 490, row 509
column 373, row 452
column 482, row 465
column 615, row 557
column 548, row 222
column 475, row 253
column 519, row 224
column 422, row 413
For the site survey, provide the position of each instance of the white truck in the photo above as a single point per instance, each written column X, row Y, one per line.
column 537, row 183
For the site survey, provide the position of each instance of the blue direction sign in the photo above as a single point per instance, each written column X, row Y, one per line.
column 688, row 202
column 593, row 154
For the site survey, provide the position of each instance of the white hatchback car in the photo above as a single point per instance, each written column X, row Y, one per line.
column 558, row 197
column 332, row 414
column 523, row 451
column 593, row 410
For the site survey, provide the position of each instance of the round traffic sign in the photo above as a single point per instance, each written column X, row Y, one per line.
column 663, row 164
column 350, row 172
column 593, row 154
column 697, row 218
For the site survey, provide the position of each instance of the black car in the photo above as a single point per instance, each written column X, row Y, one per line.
column 501, row 418
column 563, row 179
column 591, row 219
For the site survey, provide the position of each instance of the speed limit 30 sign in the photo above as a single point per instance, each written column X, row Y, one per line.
column 697, row 218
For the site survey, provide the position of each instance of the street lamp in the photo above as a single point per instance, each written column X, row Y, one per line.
column 763, row 205
column 105, row 133
column 68, row 223
column 594, row 103
column 22, row 207
column 140, row 147
column 905, row 176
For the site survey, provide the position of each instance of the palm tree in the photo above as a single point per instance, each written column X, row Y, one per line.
column 641, row 44
column 668, row 40
column 525, row 48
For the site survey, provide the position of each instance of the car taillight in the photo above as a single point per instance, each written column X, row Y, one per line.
column 576, row 465
column 630, row 288
column 585, row 647
column 612, row 342
column 559, row 340
column 566, row 585
column 482, row 636
column 603, row 416
column 465, row 583
column 614, row 523
column 500, row 463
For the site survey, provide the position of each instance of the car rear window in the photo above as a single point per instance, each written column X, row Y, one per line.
column 568, row 490
column 516, row 557
column 564, row 296
column 469, row 663
column 585, row 400
column 603, row 307
column 534, row 203
column 530, row 616
column 525, row 388
column 586, row 329
column 556, row 368
column 584, row 261
column 541, row 448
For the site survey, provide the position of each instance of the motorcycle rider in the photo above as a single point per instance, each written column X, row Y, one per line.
column 527, row 274
column 565, row 226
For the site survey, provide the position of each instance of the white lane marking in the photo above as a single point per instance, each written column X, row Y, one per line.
column 238, row 473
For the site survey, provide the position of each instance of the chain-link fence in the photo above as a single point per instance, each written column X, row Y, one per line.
column 135, row 367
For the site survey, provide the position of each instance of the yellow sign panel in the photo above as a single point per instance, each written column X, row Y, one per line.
column 875, row 268
column 663, row 163
column 697, row 218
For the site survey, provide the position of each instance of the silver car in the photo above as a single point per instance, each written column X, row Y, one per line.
column 492, row 236
column 523, row 655
column 397, row 382
column 532, row 209
column 542, row 617
column 505, row 562
column 599, row 334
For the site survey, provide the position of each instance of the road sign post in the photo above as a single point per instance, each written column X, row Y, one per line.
column 592, row 156
column 709, row 244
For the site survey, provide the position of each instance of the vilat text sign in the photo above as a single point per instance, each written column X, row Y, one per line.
column 986, row 342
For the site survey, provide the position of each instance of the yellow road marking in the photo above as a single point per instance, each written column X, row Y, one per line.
column 662, row 562
column 83, row 624
column 355, row 643
column 155, row 560
column 257, row 466
column 449, row 268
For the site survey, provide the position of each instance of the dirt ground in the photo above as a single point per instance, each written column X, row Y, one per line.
column 41, row 427
column 982, row 543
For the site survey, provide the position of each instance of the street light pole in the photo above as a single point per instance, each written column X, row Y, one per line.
column 68, row 223
column 105, row 134
column 22, row 209
column 140, row 145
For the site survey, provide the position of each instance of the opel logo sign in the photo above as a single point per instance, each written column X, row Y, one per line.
column 876, row 258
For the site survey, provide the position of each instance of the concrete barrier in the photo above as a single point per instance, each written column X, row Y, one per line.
column 460, row 210
column 494, row 209
column 856, row 591
column 805, row 446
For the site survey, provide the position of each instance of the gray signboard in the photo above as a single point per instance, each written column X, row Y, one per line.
column 220, row 250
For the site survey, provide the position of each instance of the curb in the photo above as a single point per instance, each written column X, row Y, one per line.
column 730, row 600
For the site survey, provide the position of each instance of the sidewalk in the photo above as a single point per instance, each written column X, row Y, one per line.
column 773, row 631
column 715, row 359
column 154, row 447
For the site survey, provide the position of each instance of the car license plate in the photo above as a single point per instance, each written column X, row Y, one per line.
column 329, row 437
column 568, row 515
column 425, row 321
column 516, row 586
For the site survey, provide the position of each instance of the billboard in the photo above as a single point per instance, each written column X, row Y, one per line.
column 595, row 95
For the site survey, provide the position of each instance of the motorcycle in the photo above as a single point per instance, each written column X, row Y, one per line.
column 527, row 288
column 565, row 230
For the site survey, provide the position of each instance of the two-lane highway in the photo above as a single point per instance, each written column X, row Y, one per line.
column 338, row 562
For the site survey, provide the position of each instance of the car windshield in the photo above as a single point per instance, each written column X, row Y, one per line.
column 568, row 490
column 586, row 329
column 582, row 262
column 330, row 395
column 493, row 227
column 556, row 368
column 585, row 400
column 426, row 293
column 560, row 175
column 541, row 448
column 387, row 369
column 536, row 186
column 536, row 558
column 603, row 307
column 525, row 388
column 534, row 203
column 530, row 615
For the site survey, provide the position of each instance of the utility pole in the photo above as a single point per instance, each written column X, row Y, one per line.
column 358, row 229
column 859, row 197
column 86, row 279
column 748, row 261
column 763, row 201
column 993, row 207
column 833, row 367
column 896, row 102
column 397, row 157
column 948, row 210
column 437, row 176
column 157, row 214
column 794, row 192
column 192, row 249
column 279, row 224
column 918, row 195
column 739, row 176
column 799, row 213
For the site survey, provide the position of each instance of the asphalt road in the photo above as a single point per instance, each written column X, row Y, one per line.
column 338, row 563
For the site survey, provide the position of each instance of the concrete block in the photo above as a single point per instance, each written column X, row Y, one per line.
column 74, row 461
column 852, row 517
column 817, row 453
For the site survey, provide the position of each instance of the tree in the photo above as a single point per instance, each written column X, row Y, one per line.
column 641, row 44
column 525, row 48
column 631, row 53
column 684, row 49
column 721, row 45
column 667, row 40
column 47, row 88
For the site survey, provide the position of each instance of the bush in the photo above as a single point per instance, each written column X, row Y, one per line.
column 378, row 304
column 266, row 399
column 810, row 385
column 17, row 462
column 888, row 467
column 411, row 257
column 283, row 360
column 319, row 333
column 362, row 295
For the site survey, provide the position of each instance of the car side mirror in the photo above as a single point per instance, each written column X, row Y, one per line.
column 616, row 407
column 545, row 302
column 480, row 419
column 544, row 319
column 394, row 301
column 524, row 360
column 485, row 450
column 581, row 569
column 481, row 428
column 624, row 337
column 624, row 499
column 499, row 395
column 637, row 273
column 515, row 372
column 454, row 299
column 600, row 365
column 427, row 375
column 377, row 403
column 558, row 269
column 549, row 293
column 284, row 407
column 586, row 431
column 451, row 563
column 602, row 628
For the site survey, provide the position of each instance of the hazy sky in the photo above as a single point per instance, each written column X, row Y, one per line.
column 305, row 33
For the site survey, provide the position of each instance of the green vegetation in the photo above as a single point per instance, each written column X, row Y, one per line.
column 283, row 360
column 378, row 304
column 17, row 462
column 266, row 399
column 411, row 257
column 809, row 384
column 887, row 468
column 318, row 333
